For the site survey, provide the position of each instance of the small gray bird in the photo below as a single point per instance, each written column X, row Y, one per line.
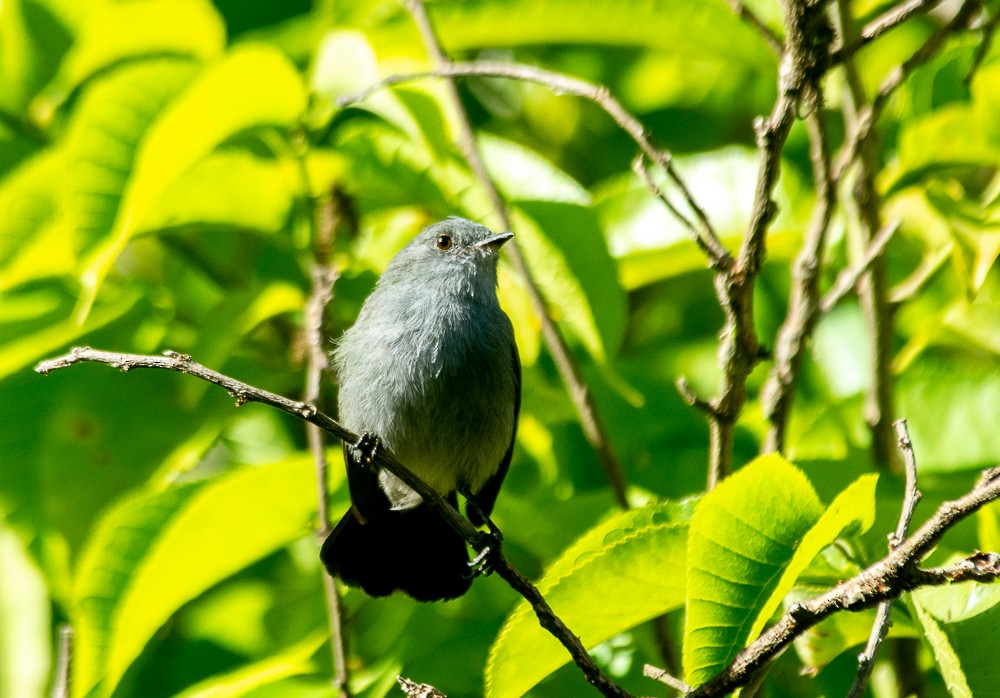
column 431, row 369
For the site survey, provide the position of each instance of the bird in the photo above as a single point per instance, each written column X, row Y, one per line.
column 430, row 369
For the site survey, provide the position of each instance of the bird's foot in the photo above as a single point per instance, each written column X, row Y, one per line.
column 490, row 544
column 367, row 447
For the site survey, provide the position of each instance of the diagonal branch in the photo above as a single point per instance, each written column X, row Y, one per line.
column 244, row 393
column 889, row 578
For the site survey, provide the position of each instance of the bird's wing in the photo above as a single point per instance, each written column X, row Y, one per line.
column 487, row 496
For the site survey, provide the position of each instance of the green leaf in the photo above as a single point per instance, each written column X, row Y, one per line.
column 254, row 86
column 229, row 189
column 744, row 535
column 944, row 654
column 153, row 553
column 32, row 42
column 949, row 398
column 109, row 124
column 294, row 661
column 986, row 100
column 975, row 642
column 957, row 602
column 570, row 259
column 637, row 553
column 115, row 32
column 27, row 204
column 524, row 175
column 851, row 514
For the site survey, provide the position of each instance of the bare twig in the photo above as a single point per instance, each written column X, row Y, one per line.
column 805, row 60
column 244, row 393
column 863, row 151
column 867, row 115
column 324, row 276
column 848, row 279
column 660, row 675
column 558, row 83
column 778, row 392
column 61, row 686
column 703, row 236
column 889, row 578
column 774, row 41
column 890, row 19
column 866, row 660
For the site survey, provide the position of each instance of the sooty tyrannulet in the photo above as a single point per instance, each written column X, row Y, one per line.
column 430, row 368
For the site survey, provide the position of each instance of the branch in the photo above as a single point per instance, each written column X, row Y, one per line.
column 330, row 213
column 867, row 116
column 561, row 84
column 244, row 393
column 889, row 578
column 803, row 64
column 890, row 19
column 774, row 41
column 778, row 392
column 866, row 660
column 61, row 684
column 657, row 674
column 848, row 279
column 418, row 690
column 703, row 236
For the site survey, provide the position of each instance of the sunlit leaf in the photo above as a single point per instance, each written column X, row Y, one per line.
column 569, row 257
column 944, row 654
column 744, row 535
column 254, row 86
column 108, row 126
column 155, row 552
column 636, row 553
column 292, row 662
column 114, row 32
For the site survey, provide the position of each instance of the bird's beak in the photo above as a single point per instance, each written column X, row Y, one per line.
column 495, row 241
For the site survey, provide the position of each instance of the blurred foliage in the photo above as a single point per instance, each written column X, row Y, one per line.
column 162, row 163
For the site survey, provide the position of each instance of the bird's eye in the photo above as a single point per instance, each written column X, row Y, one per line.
column 443, row 242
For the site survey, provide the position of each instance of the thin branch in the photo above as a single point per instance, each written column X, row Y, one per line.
column 61, row 684
column 848, row 278
column 324, row 276
column 863, row 152
column 657, row 674
column 778, row 392
column 244, row 393
column 867, row 116
column 774, row 41
column 703, row 236
column 866, row 660
column 561, row 84
column 808, row 35
column 890, row 19
column 889, row 578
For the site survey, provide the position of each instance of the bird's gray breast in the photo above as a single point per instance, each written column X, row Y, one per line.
column 436, row 385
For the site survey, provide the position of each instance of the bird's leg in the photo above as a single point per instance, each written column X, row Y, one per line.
column 483, row 562
column 367, row 447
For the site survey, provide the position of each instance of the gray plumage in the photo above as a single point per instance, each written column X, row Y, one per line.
column 430, row 367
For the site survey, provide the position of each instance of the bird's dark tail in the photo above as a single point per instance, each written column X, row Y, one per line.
column 414, row 551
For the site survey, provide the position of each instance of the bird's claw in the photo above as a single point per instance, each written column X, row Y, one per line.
column 485, row 560
column 367, row 447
